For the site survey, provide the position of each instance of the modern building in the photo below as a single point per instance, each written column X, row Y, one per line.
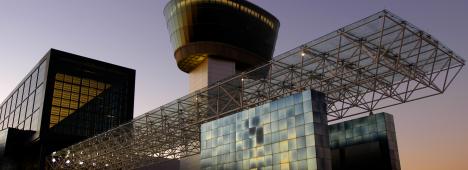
column 292, row 133
column 64, row 99
column 365, row 143
column 242, row 35
column 216, row 39
column 275, row 115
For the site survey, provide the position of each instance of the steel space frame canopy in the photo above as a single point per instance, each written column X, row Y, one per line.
column 377, row 62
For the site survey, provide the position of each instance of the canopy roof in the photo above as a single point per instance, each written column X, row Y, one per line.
column 377, row 62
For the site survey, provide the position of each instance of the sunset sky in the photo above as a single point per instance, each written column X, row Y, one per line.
column 432, row 133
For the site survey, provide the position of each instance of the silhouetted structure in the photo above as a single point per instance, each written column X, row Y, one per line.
column 65, row 98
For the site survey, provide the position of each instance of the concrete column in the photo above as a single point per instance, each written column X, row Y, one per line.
column 210, row 71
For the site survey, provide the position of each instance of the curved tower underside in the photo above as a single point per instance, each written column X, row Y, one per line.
column 216, row 39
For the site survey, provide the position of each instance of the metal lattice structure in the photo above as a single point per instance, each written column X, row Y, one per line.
column 377, row 62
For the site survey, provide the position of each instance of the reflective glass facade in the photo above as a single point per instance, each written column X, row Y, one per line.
column 72, row 93
column 66, row 98
column 21, row 109
column 234, row 26
column 87, row 100
column 365, row 143
column 288, row 133
column 181, row 14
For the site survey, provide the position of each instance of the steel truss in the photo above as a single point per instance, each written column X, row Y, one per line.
column 377, row 62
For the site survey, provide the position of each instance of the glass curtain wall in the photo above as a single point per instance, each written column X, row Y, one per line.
column 71, row 93
column 365, row 143
column 89, row 99
column 21, row 109
column 288, row 133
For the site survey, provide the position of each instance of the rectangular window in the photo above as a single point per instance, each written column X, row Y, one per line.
column 53, row 120
column 39, row 97
column 30, row 104
column 75, row 96
column 33, row 81
column 66, row 95
column 75, row 89
column 13, row 101
column 42, row 73
column 17, row 116
column 85, row 90
column 56, row 101
column 23, row 112
column 20, row 95
column 85, row 82
column 35, row 121
column 67, row 87
column 58, row 85
column 27, row 123
column 13, row 118
column 5, row 122
column 1, row 117
column 27, row 85
column 8, row 111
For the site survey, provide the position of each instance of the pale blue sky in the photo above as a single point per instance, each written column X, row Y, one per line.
column 432, row 133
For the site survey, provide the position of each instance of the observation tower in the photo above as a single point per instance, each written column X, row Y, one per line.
column 213, row 40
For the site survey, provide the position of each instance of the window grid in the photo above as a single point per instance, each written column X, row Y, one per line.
column 71, row 93
column 277, row 135
column 17, row 110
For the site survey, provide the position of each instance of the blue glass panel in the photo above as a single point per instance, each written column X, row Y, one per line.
column 279, row 134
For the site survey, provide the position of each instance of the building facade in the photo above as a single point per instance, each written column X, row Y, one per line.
column 365, row 143
column 288, row 133
column 66, row 98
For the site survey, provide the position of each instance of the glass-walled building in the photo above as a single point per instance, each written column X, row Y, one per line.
column 365, row 143
column 66, row 98
column 288, row 133
column 21, row 109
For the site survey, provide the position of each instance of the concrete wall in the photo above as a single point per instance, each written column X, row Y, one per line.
column 209, row 72
column 190, row 163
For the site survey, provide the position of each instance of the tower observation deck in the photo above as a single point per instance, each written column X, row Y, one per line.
column 213, row 40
